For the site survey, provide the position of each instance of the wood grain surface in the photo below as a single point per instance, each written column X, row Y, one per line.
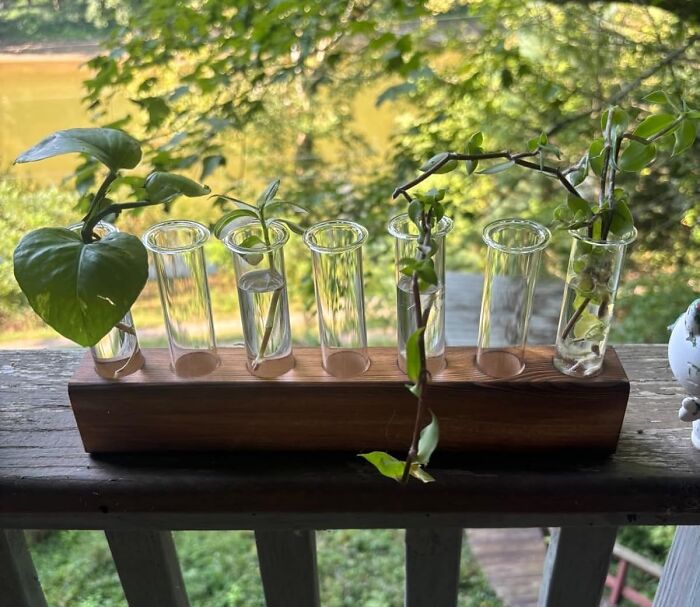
column 47, row 480
column 307, row 409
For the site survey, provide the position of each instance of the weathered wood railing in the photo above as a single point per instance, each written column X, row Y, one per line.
column 47, row 481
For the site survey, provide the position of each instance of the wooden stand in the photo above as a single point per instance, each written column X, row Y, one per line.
column 306, row 409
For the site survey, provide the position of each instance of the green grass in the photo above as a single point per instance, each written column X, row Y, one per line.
column 357, row 568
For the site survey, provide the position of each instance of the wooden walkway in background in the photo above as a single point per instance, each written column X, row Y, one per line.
column 512, row 560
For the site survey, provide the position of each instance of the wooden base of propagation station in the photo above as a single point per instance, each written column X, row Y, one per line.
column 306, row 409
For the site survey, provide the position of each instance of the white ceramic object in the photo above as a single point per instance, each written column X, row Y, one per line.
column 684, row 358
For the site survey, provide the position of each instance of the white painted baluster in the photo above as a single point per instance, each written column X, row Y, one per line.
column 680, row 580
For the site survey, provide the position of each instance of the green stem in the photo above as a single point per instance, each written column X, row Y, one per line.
column 85, row 233
column 270, row 320
column 421, row 323
column 115, row 208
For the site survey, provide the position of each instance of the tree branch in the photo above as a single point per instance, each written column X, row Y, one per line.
column 516, row 158
column 628, row 88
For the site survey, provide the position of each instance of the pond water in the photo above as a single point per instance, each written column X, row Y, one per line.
column 40, row 94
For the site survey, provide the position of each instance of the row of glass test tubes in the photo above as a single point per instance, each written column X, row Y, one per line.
column 514, row 248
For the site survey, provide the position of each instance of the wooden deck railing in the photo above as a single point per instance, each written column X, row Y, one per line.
column 47, row 481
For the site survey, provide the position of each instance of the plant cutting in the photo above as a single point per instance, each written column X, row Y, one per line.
column 82, row 282
column 256, row 241
column 601, row 227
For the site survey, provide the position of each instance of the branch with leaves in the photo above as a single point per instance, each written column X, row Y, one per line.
column 618, row 150
column 79, row 284
column 266, row 210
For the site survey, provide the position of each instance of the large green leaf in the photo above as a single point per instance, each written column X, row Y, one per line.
column 113, row 148
column 163, row 187
column 636, row 156
column 81, row 290
column 653, row 124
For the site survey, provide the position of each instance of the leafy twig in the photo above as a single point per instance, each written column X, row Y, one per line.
column 266, row 202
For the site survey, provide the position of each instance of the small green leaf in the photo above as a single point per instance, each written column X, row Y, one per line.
column 437, row 159
column 426, row 272
column 653, row 124
column 386, row 464
column 81, row 290
column 552, row 149
column 113, row 148
column 578, row 205
column 251, row 242
column 429, row 437
column 413, row 366
column 156, row 107
column 589, row 327
column 693, row 115
column 497, row 168
column 415, row 210
column 294, row 227
column 240, row 203
column 620, row 120
column 636, row 156
column 596, row 153
column 269, row 193
column 164, row 187
column 414, row 389
column 417, row 471
column 622, row 221
column 231, row 216
column 476, row 141
column 283, row 205
column 471, row 166
column 684, row 137
column 660, row 98
column 210, row 164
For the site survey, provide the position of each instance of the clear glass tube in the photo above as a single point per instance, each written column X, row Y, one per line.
column 405, row 235
column 178, row 255
column 592, row 280
column 118, row 353
column 336, row 253
column 514, row 249
column 262, row 297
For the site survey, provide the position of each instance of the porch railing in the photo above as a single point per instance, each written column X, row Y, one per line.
column 47, row 481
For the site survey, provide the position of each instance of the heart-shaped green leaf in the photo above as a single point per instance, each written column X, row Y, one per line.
column 81, row 290
column 164, row 187
column 113, row 148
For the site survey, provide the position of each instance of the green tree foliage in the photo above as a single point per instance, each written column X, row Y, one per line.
column 43, row 21
column 275, row 82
